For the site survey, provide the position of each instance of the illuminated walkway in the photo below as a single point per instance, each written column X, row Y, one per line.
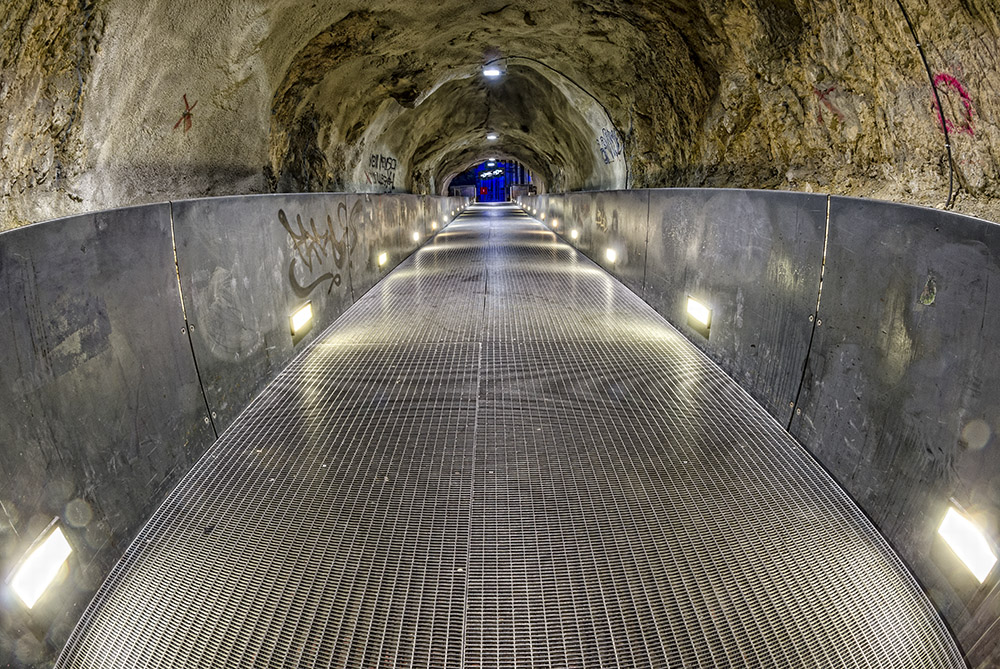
column 501, row 457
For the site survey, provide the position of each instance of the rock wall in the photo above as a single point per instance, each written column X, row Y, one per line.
column 117, row 102
column 46, row 56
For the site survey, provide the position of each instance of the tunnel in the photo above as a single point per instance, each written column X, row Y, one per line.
column 499, row 334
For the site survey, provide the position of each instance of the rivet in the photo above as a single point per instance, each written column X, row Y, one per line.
column 798, row 412
column 819, row 322
column 811, row 317
column 206, row 420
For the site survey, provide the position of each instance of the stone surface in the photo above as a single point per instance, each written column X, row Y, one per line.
column 388, row 96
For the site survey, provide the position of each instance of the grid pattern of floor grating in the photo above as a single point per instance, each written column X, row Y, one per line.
column 500, row 457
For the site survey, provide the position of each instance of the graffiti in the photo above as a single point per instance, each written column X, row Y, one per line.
column 824, row 98
column 187, row 118
column 947, row 86
column 316, row 249
column 610, row 145
column 381, row 171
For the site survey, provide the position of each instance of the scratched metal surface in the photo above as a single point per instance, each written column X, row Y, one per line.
column 900, row 400
column 101, row 409
column 530, row 468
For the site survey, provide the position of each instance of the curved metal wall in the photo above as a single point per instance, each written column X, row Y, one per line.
column 886, row 371
column 133, row 336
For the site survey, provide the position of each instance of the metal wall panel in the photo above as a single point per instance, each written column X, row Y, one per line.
column 901, row 396
column 102, row 411
column 246, row 265
column 754, row 259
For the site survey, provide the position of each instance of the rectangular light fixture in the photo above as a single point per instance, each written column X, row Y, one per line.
column 416, row 236
column 302, row 318
column 575, row 234
column 491, row 72
column 492, row 136
column 699, row 312
column 434, row 225
column 611, row 255
column 383, row 258
column 40, row 567
column 699, row 317
column 968, row 543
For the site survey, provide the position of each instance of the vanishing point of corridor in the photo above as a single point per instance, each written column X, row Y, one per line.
column 501, row 457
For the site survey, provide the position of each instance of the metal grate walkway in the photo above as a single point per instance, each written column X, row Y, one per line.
column 502, row 457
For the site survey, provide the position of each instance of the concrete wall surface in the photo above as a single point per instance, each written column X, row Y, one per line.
column 134, row 336
column 867, row 328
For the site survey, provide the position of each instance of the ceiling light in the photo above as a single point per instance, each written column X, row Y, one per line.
column 300, row 319
column 491, row 72
column 611, row 255
column 969, row 544
column 41, row 566
column 492, row 136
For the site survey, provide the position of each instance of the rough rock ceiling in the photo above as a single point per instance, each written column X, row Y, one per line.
column 296, row 95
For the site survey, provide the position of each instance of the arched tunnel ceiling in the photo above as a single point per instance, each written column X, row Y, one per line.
column 387, row 95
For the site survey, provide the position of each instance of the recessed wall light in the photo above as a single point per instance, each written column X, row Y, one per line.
column 699, row 312
column 41, row 565
column 301, row 318
column 968, row 543
column 491, row 72
column 434, row 225
column 574, row 234
column 699, row 317
column 492, row 136
column 416, row 236
column 383, row 258
column 611, row 255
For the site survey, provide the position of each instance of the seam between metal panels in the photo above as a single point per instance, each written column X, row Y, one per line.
column 209, row 416
column 815, row 320
column 645, row 248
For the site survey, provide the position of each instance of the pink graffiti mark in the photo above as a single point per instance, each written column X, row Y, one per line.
column 187, row 118
column 946, row 84
column 823, row 96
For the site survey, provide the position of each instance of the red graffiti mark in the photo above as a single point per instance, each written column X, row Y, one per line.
column 824, row 98
column 187, row 118
column 946, row 84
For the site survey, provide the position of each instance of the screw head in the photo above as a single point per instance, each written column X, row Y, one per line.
column 811, row 317
column 206, row 420
column 819, row 322
column 798, row 412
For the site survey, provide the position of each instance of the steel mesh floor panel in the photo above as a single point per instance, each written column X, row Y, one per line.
column 500, row 457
